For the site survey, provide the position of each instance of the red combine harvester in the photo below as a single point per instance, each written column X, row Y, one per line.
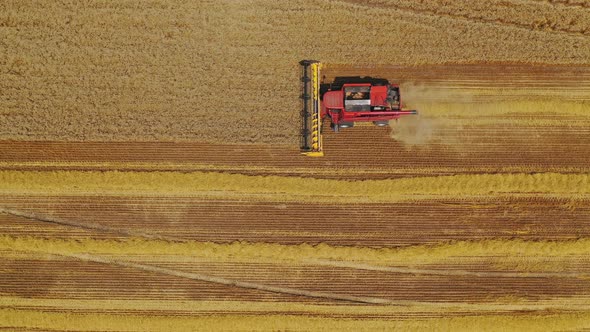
column 345, row 101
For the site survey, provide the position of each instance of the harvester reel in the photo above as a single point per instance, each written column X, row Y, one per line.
column 311, row 120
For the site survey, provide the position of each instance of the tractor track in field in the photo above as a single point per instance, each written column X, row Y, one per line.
column 88, row 278
column 417, row 282
column 475, row 17
column 390, row 225
column 565, row 3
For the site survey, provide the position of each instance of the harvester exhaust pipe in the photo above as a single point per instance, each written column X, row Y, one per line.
column 311, row 122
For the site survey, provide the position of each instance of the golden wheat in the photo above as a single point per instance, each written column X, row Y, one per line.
column 226, row 71
column 23, row 318
column 516, row 254
column 289, row 188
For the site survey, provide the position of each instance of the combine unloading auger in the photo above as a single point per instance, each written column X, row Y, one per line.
column 311, row 119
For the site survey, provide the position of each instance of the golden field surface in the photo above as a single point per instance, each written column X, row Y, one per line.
column 150, row 174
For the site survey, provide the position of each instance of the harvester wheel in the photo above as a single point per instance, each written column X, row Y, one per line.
column 346, row 124
column 381, row 123
column 335, row 127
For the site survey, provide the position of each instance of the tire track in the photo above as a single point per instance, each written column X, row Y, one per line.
column 87, row 225
column 457, row 286
column 564, row 3
column 448, row 273
column 42, row 277
column 223, row 221
column 320, row 262
column 229, row 282
column 468, row 18
column 176, row 273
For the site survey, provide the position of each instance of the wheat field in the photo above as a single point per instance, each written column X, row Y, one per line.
column 151, row 178
column 128, row 70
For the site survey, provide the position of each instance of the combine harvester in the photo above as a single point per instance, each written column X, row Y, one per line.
column 345, row 101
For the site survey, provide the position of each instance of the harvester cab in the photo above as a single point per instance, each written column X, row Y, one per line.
column 345, row 101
